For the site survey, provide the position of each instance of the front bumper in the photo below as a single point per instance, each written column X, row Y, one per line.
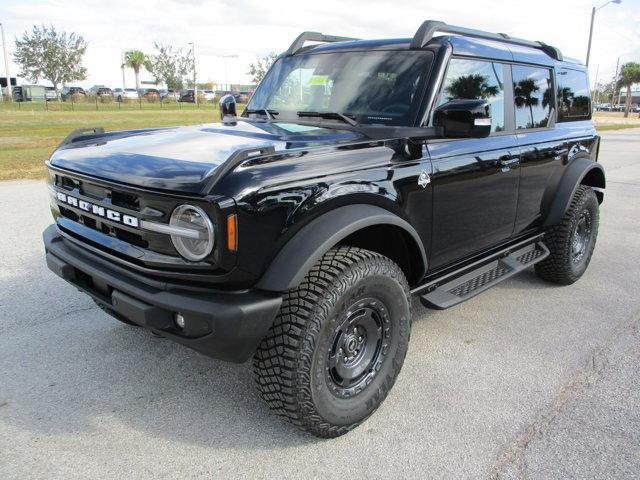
column 224, row 325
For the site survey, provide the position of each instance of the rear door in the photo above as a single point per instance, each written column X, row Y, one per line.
column 475, row 181
column 543, row 150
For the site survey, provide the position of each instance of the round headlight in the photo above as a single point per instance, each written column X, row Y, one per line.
column 195, row 237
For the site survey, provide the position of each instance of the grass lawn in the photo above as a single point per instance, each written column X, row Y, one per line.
column 28, row 136
column 29, row 133
column 616, row 126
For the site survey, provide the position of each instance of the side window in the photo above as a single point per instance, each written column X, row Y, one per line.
column 573, row 95
column 532, row 96
column 475, row 79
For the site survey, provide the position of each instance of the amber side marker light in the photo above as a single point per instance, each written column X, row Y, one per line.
column 232, row 232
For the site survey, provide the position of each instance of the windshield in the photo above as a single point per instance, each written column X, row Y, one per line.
column 381, row 87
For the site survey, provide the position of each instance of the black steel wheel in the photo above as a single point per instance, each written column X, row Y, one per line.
column 581, row 236
column 336, row 347
column 359, row 345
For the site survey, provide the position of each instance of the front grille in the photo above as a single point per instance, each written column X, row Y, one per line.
column 140, row 204
column 150, row 254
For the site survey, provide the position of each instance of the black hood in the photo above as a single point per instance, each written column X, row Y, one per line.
column 184, row 158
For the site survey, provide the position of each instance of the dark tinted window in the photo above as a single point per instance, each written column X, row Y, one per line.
column 573, row 95
column 473, row 79
column 533, row 96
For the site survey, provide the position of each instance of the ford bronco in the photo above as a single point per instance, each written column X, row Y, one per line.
column 361, row 172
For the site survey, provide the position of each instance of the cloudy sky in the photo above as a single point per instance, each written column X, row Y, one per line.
column 248, row 28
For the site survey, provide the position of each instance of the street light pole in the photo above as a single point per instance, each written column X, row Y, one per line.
column 593, row 16
column 6, row 63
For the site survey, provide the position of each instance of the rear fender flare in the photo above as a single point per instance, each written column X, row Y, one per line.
column 575, row 175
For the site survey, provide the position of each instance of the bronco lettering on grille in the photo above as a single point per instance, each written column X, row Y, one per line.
column 98, row 210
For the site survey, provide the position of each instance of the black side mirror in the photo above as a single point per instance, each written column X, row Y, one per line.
column 463, row 119
column 227, row 106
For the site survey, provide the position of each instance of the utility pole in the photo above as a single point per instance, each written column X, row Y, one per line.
column 6, row 64
column 615, row 82
column 593, row 16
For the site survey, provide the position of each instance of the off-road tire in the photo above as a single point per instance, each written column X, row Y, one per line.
column 115, row 314
column 291, row 366
column 560, row 266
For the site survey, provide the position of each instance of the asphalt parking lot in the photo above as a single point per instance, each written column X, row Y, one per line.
column 528, row 380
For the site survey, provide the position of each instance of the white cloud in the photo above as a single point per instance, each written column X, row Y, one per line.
column 254, row 27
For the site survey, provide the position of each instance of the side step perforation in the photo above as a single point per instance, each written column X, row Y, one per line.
column 470, row 283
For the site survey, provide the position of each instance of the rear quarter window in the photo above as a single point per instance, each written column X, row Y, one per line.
column 574, row 102
column 532, row 96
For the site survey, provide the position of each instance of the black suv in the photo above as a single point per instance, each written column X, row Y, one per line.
column 362, row 172
column 69, row 92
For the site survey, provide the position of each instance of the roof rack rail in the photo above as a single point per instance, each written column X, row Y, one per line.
column 304, row 37
column 427, row 30
column 81, row 132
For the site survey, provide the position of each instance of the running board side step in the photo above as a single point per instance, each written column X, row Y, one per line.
column 475, row 281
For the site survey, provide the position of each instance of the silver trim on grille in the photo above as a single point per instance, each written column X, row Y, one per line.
column 171, row 230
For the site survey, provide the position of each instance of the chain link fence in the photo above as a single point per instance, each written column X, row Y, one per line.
column 107, row 103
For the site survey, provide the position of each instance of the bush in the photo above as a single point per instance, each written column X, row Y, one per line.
column 77, row 98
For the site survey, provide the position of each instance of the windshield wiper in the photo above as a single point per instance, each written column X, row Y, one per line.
column 330, row 115
column 270, row 114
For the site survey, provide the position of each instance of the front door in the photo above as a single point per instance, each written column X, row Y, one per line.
column 475, row 181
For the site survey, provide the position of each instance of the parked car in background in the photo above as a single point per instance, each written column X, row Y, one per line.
column 16, row 93
column 244, row 97
column 68, row 91
column 169, row 94
column 149, row 93
column 28, row 93
column 187, row 95
column 209, row 95
column 122, row 93
column 50, row 93
column 635, row 108
column 101, row 91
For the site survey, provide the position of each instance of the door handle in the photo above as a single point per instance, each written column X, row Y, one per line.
column 559, row 153
column 507, row 164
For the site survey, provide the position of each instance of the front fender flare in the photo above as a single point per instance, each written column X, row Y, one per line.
column 576, row 172
column 296, row 258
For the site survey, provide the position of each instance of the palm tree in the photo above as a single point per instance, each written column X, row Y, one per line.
column 629, row 74
column 135, row 59
column 566, row 98
column 522, row 93
column 471, row 86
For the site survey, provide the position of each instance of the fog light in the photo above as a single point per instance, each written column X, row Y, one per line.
column 179, row 320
